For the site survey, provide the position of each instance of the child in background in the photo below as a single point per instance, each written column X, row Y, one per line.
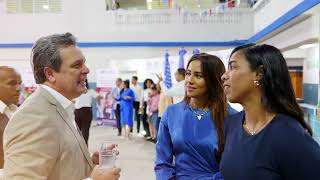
column 153, row 104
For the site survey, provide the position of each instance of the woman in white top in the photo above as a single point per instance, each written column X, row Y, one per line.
column 143, row 105
column 83, row 111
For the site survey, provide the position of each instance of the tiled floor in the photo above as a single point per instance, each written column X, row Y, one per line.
column 136, row 157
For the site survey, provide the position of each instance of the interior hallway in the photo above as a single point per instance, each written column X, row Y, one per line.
column 136, row 157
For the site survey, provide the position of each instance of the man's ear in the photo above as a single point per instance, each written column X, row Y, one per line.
column 49, row 73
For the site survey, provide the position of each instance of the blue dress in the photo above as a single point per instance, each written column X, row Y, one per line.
column 126, row 108
column 186, row 146
column 282, row 150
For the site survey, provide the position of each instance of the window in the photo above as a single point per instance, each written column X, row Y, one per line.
column 33, row 6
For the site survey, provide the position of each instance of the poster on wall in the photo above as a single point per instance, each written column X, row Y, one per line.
column 28, row 83
column 28, row 78
column 105, row 111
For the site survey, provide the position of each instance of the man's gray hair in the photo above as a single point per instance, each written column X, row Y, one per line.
column 46, row 53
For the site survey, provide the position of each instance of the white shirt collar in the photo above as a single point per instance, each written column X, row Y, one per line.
column 65, row 103
column 3, row 106
column 7, row 110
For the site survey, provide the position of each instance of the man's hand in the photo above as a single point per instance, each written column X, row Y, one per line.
column 109, row 174
column 126, row 97
column 95, row 158
column 95, row 155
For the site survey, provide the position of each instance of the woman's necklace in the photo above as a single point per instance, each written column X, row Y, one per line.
column 253, row 132
column 199, row 116
column 249, row 131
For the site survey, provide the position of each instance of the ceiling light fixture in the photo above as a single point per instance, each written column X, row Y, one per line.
column 305, row 46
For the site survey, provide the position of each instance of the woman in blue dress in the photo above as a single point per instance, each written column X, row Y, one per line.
column 190, row 137
column 270, row 139
column 126, row 108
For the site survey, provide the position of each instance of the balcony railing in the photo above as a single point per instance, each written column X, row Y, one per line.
column 175, row 4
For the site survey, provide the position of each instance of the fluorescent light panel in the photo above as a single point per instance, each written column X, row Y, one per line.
column 305, row 46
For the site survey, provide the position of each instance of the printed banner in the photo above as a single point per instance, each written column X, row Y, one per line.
column 105, row 111
column 28, row 83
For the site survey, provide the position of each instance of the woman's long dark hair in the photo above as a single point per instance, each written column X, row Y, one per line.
column 212, row 69
column 145, row 83
column 277, row 91
column 127, row 83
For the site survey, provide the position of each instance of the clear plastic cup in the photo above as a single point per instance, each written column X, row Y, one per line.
column 107, row 158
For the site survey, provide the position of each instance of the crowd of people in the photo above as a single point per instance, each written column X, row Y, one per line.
column 198, row 134
column 144, row 104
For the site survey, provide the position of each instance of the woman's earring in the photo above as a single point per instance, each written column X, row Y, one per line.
column 256, row 82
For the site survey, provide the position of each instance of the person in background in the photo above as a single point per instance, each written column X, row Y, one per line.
column 10, row 83
column 100, row 108
column 153, row 105
column 190, row 138
column 41, row 140
column 177, row 91
column 116, row 105
column 164, row 102
column 269, row 139
column 83, row 110
column 138, row 93
column 143, row 106
column 126, row 99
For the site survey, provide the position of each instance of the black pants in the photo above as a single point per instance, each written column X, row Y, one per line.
column 118, row 118
column 83, row 117
column 136, row 106
column 144, row 119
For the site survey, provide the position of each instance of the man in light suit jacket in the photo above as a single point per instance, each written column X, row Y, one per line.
column 42, row 140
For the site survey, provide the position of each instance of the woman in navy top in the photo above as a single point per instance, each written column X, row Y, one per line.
column 269, row 139
column 190, row 137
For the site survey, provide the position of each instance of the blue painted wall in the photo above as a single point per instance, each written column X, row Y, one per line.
column 310, row 93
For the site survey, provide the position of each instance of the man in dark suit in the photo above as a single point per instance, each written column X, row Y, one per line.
column 10, row 81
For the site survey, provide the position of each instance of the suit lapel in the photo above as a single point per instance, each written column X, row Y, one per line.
column 76, row 133
column 62, row 112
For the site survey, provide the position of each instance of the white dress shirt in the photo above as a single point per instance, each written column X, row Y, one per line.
column 7, row 110
column 65, row 103
column 145, row 97
column 115, row 94
column 177, row 91
column 85, row 99
column 137, row 90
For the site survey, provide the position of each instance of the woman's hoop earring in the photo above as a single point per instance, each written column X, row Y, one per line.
column 256, row 82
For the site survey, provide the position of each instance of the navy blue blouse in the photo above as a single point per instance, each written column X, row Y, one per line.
column 186, row 146
column 283, row 150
